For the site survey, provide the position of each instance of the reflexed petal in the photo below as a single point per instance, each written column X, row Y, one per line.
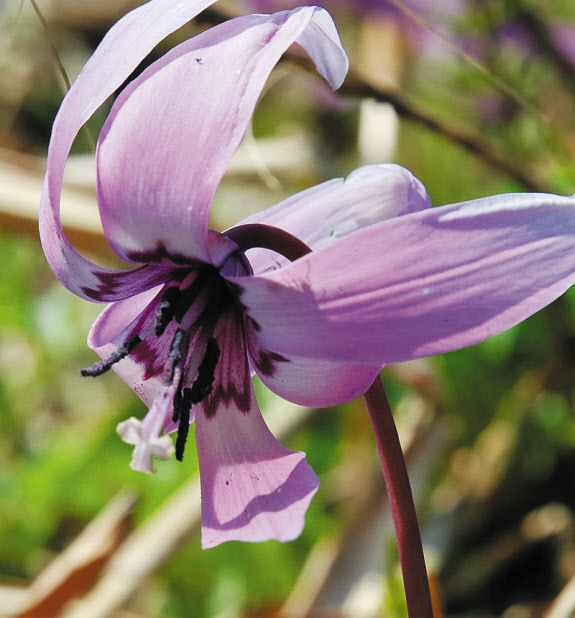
column 322, row 214
column 418, row 285
column 142, row 369
column 310, row 382
column 253, row 488
column 123, row 48
column 173, row 131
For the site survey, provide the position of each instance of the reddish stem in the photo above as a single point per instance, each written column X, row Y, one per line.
column 390, row 452
column 401, row 502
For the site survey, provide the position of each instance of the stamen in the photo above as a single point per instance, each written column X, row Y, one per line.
column 176, row 354
column 100, row 367
column 203, row 384
column 188, row 397
column 167, row 309
column 189, row 295
column 183, row 413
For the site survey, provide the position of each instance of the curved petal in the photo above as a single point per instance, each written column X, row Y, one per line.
column 142, row 369
column 322, row 214
column 172, row 132
column 123, row 48
column 253, row 488
column 310, row 382
column 418, row 285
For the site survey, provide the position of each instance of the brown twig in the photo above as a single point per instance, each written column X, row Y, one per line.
column 358, row 86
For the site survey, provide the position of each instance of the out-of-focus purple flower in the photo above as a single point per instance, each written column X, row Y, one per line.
column 564, row 36
column 390, row 279
column 442, row 8
column 437, row 14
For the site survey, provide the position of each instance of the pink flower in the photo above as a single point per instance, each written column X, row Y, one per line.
column 390, row 279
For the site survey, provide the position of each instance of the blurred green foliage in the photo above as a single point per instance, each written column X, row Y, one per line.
column 506, row 405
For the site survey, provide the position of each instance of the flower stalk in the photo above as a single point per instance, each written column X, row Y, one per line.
column 401, row 503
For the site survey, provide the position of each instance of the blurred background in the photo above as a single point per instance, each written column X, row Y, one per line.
column 475, row 97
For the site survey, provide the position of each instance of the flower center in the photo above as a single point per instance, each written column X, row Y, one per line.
column 176, row 338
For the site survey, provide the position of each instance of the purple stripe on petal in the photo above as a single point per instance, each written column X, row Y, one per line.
column 115, row 285
column 161, row 255
column 266, row 362
column 232, row 384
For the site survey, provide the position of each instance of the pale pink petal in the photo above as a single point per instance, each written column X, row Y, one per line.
column 172, row 132
column 310, row 381
column 418, row 285
column 322, row 214
column 253, row 488
column 123, row 48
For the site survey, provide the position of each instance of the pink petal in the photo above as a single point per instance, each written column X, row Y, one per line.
column 310, row 382
column 123, row 48
column 418, row 285
column 322, row 214
column 253, row 488
column 172, row 132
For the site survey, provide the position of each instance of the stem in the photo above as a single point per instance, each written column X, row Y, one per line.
column 252, row 235
column 401, row 502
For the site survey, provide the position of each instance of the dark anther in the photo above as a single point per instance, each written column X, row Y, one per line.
column 182, row 413
column 201, row 388
column 176, row 352
column 100, row 367
column 166, row 309
column 189, row 295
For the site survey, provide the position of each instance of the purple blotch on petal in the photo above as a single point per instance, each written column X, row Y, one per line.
column 266, row 361
column 160, row 255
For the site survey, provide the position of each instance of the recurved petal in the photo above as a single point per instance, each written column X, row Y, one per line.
column 142, row 370
column 172, row 132
column 123, row 48
column 422, row 284
column 253, row 488
column 322, row 214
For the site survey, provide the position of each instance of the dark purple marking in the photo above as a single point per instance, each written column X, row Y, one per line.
column 153, row 358
column 266, row 361
column 131, row 282
column 166, row 309
column 161, row 254
column 109, row 283
column 225, row 394
column 255, row 325
column 236, row 289
column 190, row 294
column 232, row 376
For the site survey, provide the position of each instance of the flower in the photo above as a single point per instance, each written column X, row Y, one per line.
column 389, row 279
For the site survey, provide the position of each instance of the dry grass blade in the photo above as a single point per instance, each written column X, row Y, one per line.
column 76, row 569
